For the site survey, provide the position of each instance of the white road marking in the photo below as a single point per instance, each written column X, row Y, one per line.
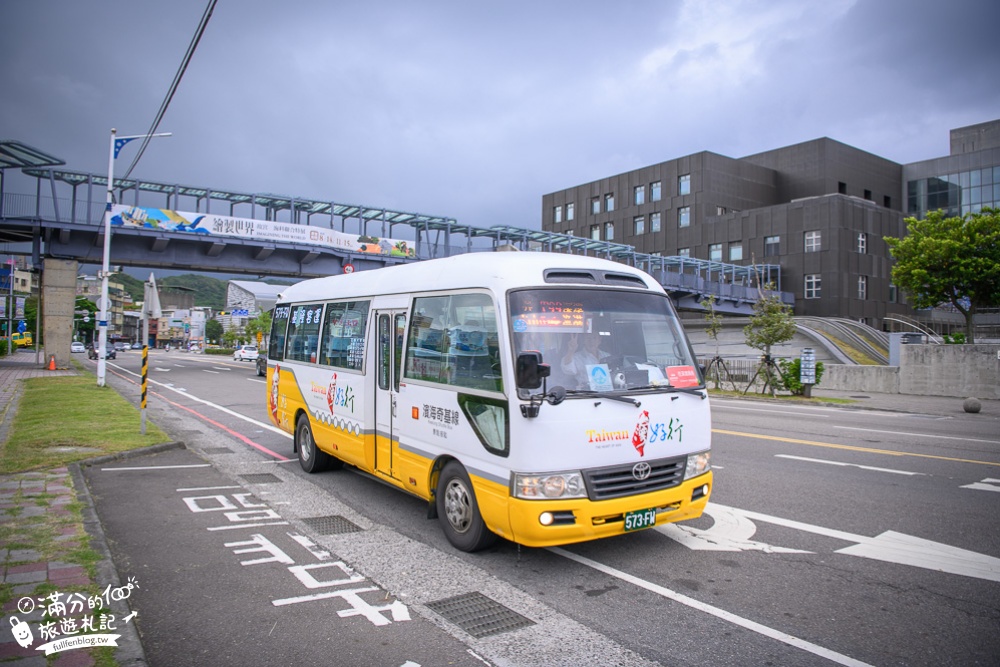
column 714, row 611
column 731, row 531
column 768, row 411
column 847, row 465
column 893, row 547
column 210, row 371
column 209, row 488
column 988, row 484
column 192, row 465
column 918, row 435
column 269, row 427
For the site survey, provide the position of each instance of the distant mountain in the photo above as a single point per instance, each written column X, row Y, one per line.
column 208, row 291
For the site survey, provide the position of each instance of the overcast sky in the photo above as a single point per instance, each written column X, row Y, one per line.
column 474, row 110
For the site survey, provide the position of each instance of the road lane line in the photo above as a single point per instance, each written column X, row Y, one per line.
column 851, row 448
column 192, row 465
column 730, row 617
column 847, row 465
column 918, row 435
column 765, row 411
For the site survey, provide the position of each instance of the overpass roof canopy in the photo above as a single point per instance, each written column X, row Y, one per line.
column 18, row 155
column 267, row 200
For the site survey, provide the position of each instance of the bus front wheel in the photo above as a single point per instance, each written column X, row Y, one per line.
column 459, row 512
column 310, row 457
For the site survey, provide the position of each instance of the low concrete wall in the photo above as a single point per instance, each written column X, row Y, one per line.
column 879, row 379
column 950, row 370
column 925, row 370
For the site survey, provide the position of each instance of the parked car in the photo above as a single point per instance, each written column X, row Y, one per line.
column 77, row 346
column 22, row 339
column 262, row 364
column 136, row 346
column 109, row 353
column 246, row 353
column 120, row 347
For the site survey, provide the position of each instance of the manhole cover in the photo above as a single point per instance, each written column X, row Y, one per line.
column 261, row 478
column 479, row 615
column 331, row 525
column 217, row 450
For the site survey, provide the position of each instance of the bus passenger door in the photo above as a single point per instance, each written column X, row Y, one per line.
column 388, row 364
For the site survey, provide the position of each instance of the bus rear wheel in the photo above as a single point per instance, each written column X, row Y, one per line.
column 459, row 512
column 310, row 457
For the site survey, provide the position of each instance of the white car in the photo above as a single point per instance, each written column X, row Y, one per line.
column 77, row 346
column 246, row 353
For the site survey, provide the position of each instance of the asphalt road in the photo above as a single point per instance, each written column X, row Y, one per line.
column 834, row 536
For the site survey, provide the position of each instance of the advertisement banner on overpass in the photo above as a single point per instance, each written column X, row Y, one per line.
column 208, row 224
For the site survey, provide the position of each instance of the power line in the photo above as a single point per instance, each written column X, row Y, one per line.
column 176, row 82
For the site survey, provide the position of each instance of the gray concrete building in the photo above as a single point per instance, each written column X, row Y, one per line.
column 819, row 209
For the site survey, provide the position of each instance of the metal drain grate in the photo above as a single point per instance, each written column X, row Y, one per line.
column 331, row 525
column 217, row 450
column 261, row 478
column 479, row 615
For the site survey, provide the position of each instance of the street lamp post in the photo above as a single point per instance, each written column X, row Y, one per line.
column 105, row 305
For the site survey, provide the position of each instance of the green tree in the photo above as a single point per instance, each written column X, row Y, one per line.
column 261, row 323
column 229, row 338
column 771, row 322
column 950, row 260
column 213, row 330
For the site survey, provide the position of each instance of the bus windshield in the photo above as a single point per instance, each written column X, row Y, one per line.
column 603, row 340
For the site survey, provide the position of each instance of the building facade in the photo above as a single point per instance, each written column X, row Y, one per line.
column 820, row 209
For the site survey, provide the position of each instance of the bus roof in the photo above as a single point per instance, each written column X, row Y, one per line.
column 498, row 271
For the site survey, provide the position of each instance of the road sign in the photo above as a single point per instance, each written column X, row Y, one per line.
column 807, row 374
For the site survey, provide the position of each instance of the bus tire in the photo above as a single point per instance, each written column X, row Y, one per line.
column 310, row 457
column 458, row 511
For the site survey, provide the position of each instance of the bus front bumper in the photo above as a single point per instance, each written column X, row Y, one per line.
column 540, row 523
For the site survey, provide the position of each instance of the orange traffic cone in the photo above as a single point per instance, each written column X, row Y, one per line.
column 52, row 362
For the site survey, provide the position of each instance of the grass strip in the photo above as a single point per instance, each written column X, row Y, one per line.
column 65, row 419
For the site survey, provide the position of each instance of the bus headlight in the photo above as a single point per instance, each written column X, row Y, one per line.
column 698, row 464
column 554, row 485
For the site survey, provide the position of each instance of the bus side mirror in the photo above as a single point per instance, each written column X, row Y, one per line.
column 530, row 370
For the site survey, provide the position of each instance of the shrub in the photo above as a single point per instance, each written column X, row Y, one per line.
column 791, row 370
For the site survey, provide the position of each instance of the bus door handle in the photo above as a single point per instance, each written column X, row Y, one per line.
column 393, row 404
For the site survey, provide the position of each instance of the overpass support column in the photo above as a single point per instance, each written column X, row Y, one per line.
column 58, row 303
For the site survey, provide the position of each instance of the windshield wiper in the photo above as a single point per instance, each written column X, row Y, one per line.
column 587, row 393
column 696, row 391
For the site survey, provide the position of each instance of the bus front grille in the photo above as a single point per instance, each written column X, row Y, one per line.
column 624, row 480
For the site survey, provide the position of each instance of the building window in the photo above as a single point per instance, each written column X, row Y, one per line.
column 772, row 246
column 862, row 287
column 640, row 194
column 654, row 222
column 684, row 216
column 868, row 195
column 813, row 241
column 684, row 252
column 638, row 225
column 654, row 191
column 715, row 252
column 735, row 252
column 557, row 214
column 609, row 202
column 842, row 188
column 684, row 184
column 887, row 201
column 595, row 232
column 595, row 205
column 862, row 243
column 892, row 293
column 609, row 231
column 570, row 211
column 720, row 210
column 812, row 286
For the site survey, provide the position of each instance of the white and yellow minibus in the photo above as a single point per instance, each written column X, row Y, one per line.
column 543, row 398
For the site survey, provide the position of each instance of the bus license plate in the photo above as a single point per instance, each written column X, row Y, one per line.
column 639, row 519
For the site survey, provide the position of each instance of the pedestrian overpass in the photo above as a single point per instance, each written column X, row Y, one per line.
column 192, row 228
